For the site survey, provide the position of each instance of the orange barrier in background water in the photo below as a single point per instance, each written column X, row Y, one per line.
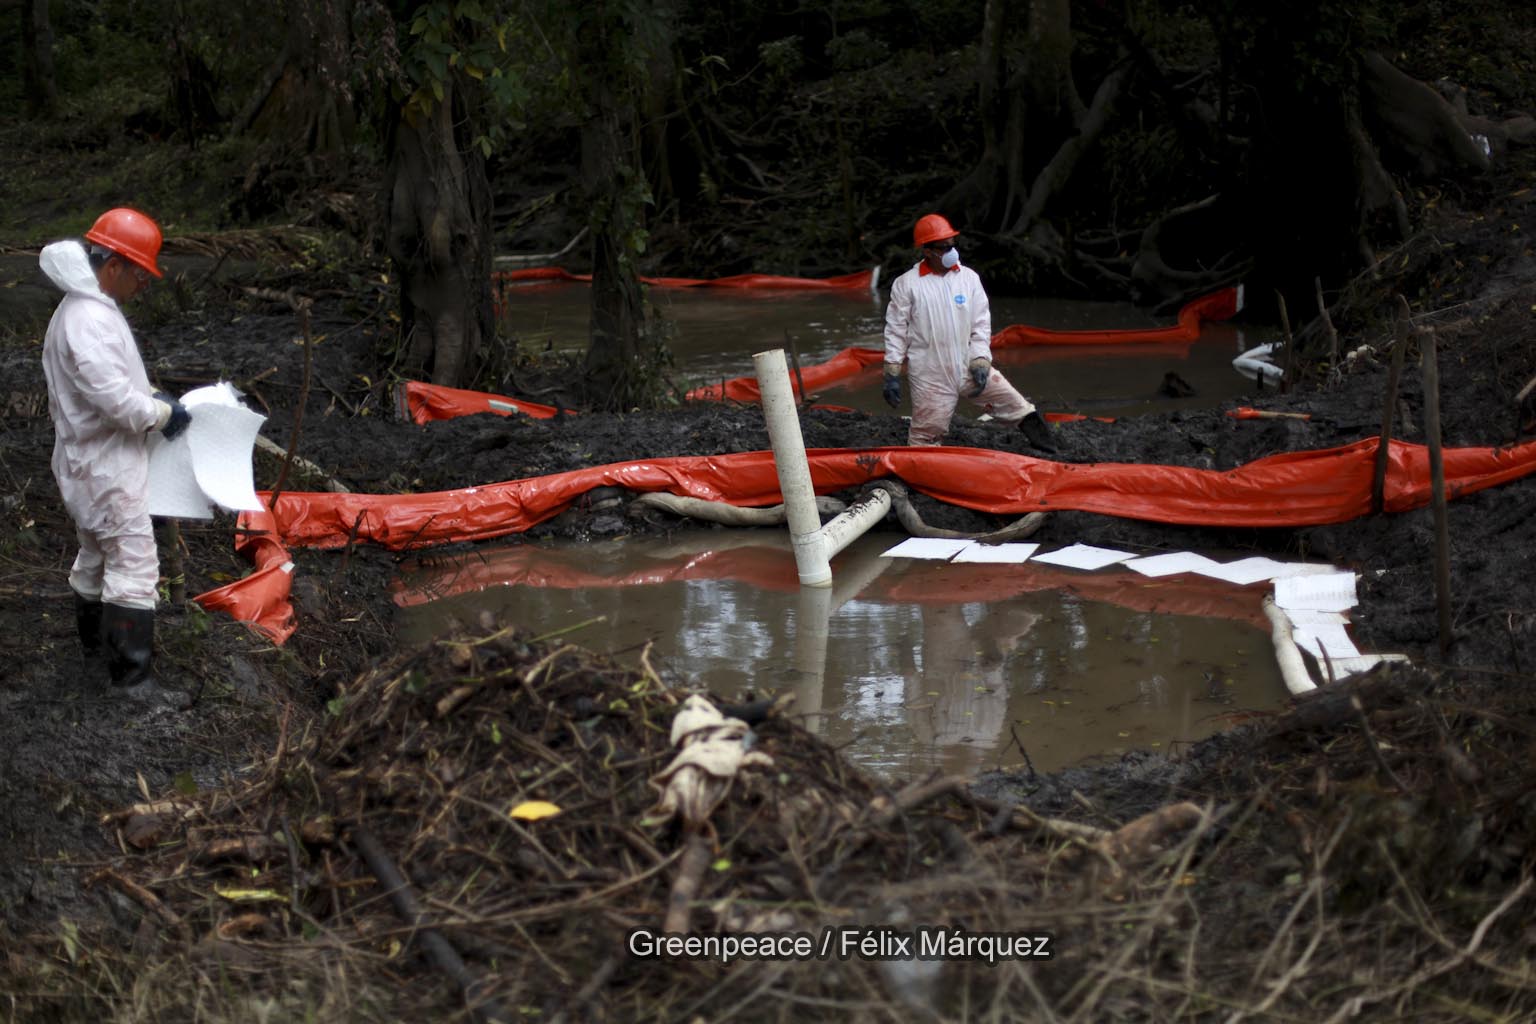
column 1215, row 307
column 1222, row 305
column 773, row 568
column 1306, row 488
column 859, row 279
column 427, row 402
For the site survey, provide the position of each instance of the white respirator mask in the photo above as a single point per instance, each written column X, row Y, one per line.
column 951, row 259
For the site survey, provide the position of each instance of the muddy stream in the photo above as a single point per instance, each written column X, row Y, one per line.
column 912, row 666
column 714, row 332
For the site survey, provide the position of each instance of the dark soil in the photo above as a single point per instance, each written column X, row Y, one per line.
column 1459, row 723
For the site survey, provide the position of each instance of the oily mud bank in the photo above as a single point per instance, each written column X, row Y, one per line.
column 1244, row 874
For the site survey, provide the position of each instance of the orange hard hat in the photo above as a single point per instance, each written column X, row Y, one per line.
column 130, row 234
column 930, row 228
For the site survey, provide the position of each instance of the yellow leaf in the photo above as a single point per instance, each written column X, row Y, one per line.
column 533, row 810
column 251, row 895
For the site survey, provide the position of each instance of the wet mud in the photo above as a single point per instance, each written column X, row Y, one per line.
column 73, row 755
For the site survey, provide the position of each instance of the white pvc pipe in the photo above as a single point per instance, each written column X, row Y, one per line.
column 813, row 633
column 813, row 543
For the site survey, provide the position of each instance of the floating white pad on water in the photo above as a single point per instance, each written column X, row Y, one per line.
column 1084, row 556
column 1258, row 568
column 1170, row 563
column 1324, row 592
column 940, row 548
column 1009, row 553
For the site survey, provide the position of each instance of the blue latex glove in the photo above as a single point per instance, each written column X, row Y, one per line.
column 980, row 371
column 178, row 419
column 892, row 390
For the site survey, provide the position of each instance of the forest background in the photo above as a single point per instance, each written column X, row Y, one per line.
column 384, row 159
column 1145, row 150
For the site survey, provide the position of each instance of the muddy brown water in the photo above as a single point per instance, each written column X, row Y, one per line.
column 714, row 332
column 910, row 665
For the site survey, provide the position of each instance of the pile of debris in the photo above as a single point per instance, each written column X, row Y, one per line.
column 516, row 826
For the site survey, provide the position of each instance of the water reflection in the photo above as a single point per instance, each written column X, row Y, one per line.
column 715, row 332
column 911, row 666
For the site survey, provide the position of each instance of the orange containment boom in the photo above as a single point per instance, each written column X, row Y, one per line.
column 1306, row 488
column 423, row 403
column 1221, row 305
column 426, row 402
column 766, row 568
column 862, row 280
column 1217, row 306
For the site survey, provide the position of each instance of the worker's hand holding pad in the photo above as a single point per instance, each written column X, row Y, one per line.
column 174, row 416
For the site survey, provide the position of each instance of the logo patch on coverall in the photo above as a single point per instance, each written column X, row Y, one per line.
column 959, row 300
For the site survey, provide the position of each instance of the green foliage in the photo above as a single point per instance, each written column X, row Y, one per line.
column 855, row 50
column 471, row 46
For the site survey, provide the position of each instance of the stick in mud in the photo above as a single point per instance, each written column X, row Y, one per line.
column 439, row 949
column 1328, row 328
column 794, row 360
column 1290, row 344
column 1437, row 486
column 1399, row 346
column 168, row 538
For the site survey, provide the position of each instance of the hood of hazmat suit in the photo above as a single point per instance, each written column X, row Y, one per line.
column 100, row 400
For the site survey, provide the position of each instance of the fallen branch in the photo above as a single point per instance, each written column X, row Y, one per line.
column 439, row 949
column 685, row 888
column 538, row 259
column 273, row 448
column 1135, row 839
column 149, row 900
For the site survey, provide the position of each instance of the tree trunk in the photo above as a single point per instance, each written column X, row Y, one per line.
column 38, row 81
column 439, row 239
column 1034, row 129
column 621, row 354
column 303, row 103
column 618, row 329
column 1417, row 122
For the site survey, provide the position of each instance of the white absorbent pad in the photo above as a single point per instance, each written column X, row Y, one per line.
column 209, row 463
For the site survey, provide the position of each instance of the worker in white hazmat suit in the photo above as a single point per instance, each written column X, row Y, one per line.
column 103, row 409
column 939, row 323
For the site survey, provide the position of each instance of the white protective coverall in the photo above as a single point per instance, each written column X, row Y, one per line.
column 100, row 400
column 938, row 323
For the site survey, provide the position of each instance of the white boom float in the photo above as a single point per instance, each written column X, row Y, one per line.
column 814, row 543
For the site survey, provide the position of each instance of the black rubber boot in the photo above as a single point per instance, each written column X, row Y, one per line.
column 130, row 642
column 88, row 623
column 1037, row 432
